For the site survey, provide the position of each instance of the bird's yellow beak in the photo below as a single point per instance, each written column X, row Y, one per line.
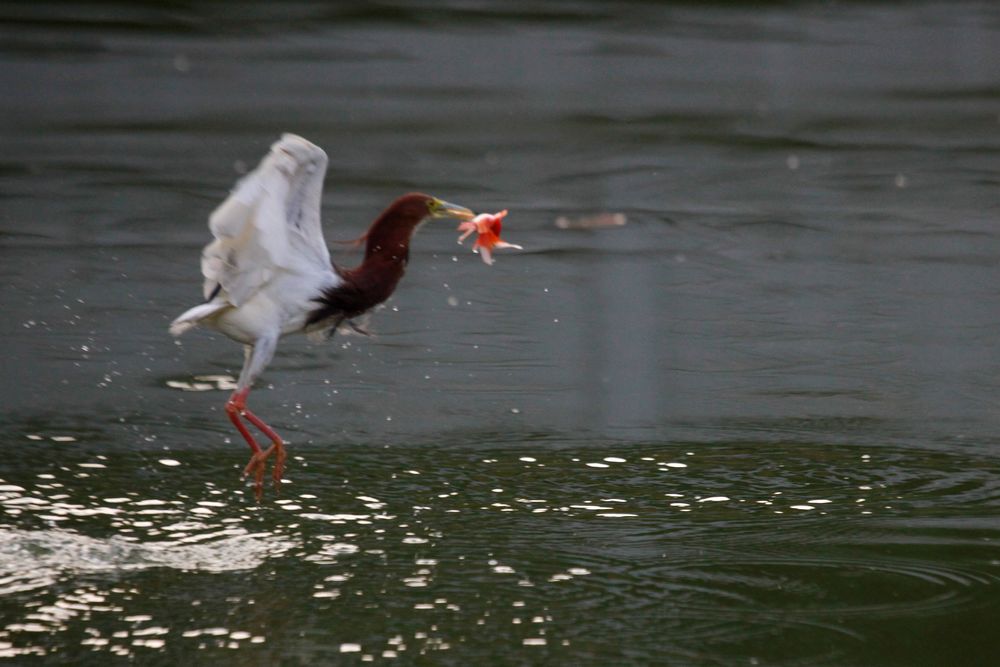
column 443, row 209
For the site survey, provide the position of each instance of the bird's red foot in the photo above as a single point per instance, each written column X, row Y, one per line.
column 256, row 467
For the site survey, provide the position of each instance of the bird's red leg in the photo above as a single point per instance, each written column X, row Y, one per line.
column 236, row 408
column 277, row 446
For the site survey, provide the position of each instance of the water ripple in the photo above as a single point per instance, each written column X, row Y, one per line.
column 41, row 557
column 728, row 543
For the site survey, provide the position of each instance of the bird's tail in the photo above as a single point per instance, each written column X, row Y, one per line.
column 191, row 318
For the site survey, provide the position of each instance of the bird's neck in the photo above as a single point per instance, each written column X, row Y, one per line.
column 376, row 278
column 382, row 249
column 387, row 251
column 389, row 236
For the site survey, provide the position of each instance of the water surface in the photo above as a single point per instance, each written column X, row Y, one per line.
column 754, row 425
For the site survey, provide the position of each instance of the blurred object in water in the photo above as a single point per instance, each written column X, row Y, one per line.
column 596, row 221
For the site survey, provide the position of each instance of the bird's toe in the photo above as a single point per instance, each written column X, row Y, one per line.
column 279, row 463
column 256, row 468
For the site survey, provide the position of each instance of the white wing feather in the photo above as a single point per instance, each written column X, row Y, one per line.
column 270, row 222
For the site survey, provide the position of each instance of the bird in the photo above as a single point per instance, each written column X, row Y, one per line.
column 268, row 273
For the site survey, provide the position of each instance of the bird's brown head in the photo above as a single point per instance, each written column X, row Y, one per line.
column 391, row 232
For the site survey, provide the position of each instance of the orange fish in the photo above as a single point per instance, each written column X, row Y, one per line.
column 487, row 227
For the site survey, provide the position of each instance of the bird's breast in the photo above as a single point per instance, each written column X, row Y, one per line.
column 282, row 307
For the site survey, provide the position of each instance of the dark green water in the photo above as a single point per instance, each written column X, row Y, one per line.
column 756, row 425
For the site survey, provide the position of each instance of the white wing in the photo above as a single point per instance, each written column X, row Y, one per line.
column 269, row 223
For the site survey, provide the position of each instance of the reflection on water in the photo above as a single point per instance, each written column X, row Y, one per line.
column 719, row 545
column 736, row 403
